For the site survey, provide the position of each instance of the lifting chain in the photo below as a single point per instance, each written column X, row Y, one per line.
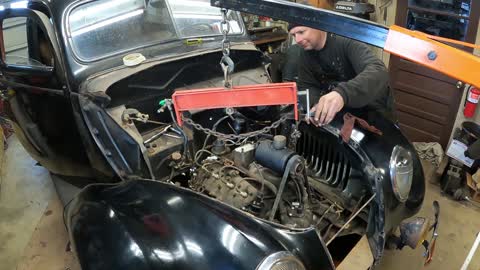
column 226, row 62
column 235, row 137
column 228, row 67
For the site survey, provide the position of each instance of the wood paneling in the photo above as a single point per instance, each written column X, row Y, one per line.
column 426, row 101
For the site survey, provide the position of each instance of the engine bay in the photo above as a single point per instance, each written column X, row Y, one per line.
column 283, row 171
column 258, row 159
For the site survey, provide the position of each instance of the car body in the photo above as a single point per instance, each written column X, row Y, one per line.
column 89, row 114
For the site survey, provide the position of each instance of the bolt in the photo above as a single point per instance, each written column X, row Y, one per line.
column 176, row 156
column 95, row 131
column 108, row 153
column 432, row 55
column 229, row 111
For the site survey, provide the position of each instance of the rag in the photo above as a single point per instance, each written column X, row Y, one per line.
column 429, row 151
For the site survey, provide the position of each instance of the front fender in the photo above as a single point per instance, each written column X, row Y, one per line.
column 379, row 150
column 375, row 152
column 145, row 224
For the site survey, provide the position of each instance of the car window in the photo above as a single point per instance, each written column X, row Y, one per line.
column 25, row 43
column 199, row 18
column 106, row 27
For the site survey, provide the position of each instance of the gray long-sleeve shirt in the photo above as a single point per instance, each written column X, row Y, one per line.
column 348, row 67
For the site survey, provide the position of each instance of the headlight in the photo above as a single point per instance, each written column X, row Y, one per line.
column 401, row 172
column 282, row 260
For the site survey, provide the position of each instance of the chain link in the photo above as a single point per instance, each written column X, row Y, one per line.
column 234, row 137
column 225, row 28
column 227, row 64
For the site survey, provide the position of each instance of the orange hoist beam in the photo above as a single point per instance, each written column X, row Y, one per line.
column 425, row 50
column 236, row 97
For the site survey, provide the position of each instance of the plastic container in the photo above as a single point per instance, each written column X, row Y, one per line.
column 469, row 133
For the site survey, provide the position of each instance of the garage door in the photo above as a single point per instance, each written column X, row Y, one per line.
column 14, row 31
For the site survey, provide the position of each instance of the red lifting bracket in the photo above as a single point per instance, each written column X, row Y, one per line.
column 239, row 96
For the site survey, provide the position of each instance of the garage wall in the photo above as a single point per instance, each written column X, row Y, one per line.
column 14, row 31
column 476, row 118
column 477, row 51
column 390, row 20
column 391, row 10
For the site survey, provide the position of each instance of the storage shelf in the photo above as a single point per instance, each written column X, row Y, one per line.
column 438, row 12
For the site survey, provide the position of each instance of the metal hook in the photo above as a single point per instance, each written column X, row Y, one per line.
column 228, row 67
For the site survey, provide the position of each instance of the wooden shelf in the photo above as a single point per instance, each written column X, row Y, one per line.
column 438, row 12
column 269, row 40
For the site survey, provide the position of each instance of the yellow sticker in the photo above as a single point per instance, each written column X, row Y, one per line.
column 193, row 42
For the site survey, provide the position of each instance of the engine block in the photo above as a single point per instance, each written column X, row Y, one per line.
column 226, row 184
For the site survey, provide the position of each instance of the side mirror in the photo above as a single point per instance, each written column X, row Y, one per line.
column 25, row 46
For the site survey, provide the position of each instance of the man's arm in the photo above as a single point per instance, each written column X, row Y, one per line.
column 328, row 105
column 372, row 76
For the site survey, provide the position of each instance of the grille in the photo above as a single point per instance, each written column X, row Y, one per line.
column 326, row 158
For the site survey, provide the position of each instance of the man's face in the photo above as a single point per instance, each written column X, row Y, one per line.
column 309, row 38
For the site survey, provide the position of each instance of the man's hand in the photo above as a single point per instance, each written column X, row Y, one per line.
column 327, row 107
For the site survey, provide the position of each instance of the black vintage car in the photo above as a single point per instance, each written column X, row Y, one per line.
column 248, row 188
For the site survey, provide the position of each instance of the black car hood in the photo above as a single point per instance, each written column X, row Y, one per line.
column 151, row 225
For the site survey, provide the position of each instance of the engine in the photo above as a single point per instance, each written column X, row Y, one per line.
column 250, row 177
column 295, row 175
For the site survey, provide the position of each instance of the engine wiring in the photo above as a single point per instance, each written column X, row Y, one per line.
column 214, row 128
column 288, row 168
column 254, row 187
column 263, row 181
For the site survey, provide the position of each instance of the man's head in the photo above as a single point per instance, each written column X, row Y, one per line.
column 309, row 38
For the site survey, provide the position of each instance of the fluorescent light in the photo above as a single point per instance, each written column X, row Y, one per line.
column 135, row 249
column 80, row 13
column 107, row 22
column 190, row 3
column 19, row 4
column 197, row 16
column 194, row 248
column 2, row 7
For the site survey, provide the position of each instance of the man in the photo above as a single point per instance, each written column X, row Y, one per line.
column 339, row 72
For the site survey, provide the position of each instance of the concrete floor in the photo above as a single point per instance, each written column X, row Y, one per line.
column 26, row 190
column 459, row 225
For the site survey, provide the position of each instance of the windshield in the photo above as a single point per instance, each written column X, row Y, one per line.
column 105, row 27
